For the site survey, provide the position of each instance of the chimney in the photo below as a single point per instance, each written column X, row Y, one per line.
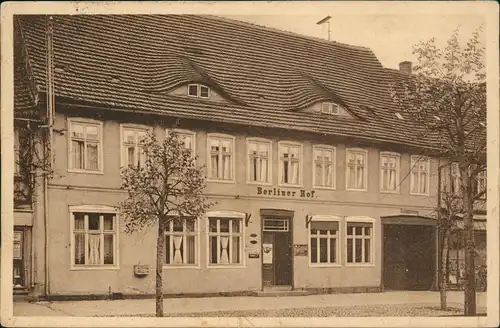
column 405, row 67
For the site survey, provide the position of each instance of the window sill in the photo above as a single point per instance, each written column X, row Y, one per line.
column 97, row 268
column 325, row 266
column 421, row 195
column 181, row 267
column 258, row 183
column 86, row 172
column 353, row 189
column 285, row 185
column 360, row 265
column 226, row 266
column 394, row 192
column 324, row 188
column 221, row 181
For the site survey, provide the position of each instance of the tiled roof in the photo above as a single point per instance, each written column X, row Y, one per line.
column 267, row 76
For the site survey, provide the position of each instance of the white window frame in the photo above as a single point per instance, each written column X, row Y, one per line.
column 397, row 156
column 334, row 166
column 326, row 218
column 101, row 209
column 123, row 127
column 301, row 163
column 365, row 178
column 198, row 90
column 360, row 219
column 414, row 159
column 331, row 106
column 100, row 152
column 226, row 215
column 197, row 248
column 219, row 136
column 190, row 133
column 269, row 161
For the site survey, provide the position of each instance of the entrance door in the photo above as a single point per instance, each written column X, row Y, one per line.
column 276, row 252
column 18, row 257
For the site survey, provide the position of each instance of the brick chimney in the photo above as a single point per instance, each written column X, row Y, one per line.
column 405, row 67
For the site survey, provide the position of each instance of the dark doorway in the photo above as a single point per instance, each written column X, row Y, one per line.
column 409, row 257
column 276, row 252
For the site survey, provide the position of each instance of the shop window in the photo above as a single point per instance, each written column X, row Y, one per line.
column 85, row 147
column 389, row 172
column 221, row 152
column 419, row 176
column 94, row 237
column 290, row 163
column 259, row 160
column 324, row 167
column 356, row 175
column 132, row 152
column 181, row 242
column 225, row 241
column 324, row 242
column 359, row 243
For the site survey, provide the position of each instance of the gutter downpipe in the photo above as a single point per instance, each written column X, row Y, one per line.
column 438, row 233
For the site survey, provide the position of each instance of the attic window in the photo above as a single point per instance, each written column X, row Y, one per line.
column 398, row 115
column 198, row 90
column 330, row 108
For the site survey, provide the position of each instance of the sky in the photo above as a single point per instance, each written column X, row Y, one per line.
column 390, row 37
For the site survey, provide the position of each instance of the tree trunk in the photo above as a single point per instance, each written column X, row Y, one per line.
column 444, row 269
column 470, row 272
column 160, row 246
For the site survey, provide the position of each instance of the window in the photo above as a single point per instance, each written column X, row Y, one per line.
column 481, row 183
column 198, row 90
column 324, row 242
column 419, row 179
column 330, row 108
column 189, row 139
column 225, row 241
column 85, row 153
column 94, row 238
column 132, row 152
column 259, row 160
column 389, row 172
column 359, row 242
column 324, row 166
column 455, row 179
column 181, row 242
column 17, row 164
column 290, row 163
column 220, row 164
column 356, row 174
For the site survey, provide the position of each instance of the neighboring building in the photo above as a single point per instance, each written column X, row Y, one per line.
column 304, row 150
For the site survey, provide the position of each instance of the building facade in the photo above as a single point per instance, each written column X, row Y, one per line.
column 318, row 185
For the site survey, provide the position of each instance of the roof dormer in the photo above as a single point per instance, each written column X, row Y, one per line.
column 198, row 90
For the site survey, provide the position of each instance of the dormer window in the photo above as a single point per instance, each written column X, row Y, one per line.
column 330, row 108
column 198, row 90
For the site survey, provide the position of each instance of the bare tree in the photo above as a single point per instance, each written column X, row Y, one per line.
column 163, row 186
column 446, row 99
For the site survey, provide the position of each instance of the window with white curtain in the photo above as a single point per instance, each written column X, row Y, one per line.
column 85, row 146
column 221, row 152
column 259, row 160
column 359, row 245
column 188, row 137
column 389, row 172
column 225, row 241
column 324, row 166
column 132, row 152
column 419, row 177
column 181, row 242
column 356, row 167
column 324, row 242
column 94, row 239
column 290, row 163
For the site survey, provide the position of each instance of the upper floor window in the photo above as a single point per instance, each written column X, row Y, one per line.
column 94, row 238
column 356, row 174
column 17, row 159
column 221, row 152
column 181, row 242
column 188, row 138
column 324, row 166
column 455, row 178
column 198, row 90
column 419, row 178
column 324, row 241
column 290, row 163
column 132, row 149
column 85, row 147
column 389, row 172
column 330, row 108
column 259, row 160
column 481, row 184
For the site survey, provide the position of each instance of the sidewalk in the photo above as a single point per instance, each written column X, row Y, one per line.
column 197, row 305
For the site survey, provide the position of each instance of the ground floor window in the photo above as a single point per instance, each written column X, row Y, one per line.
column 180, row 242
column 94, row 238
column 359, row 242
column 225, row 241
column 324, row 242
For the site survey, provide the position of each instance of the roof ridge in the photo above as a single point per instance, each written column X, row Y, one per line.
column 277, row 30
